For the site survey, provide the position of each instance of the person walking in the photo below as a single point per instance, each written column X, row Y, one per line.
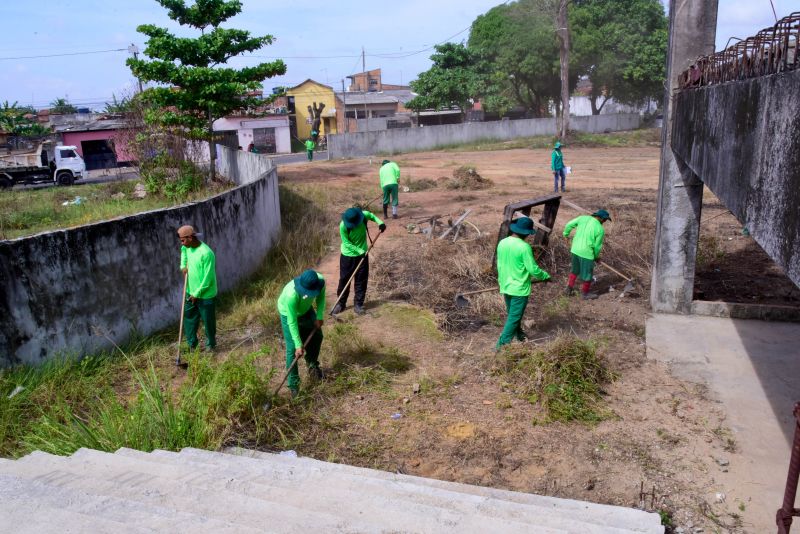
column 557, row 165
column 310, row 145
column 515, row 269
column 353, row 231
column 390, row 179
column 299, row 320
column 198, row 263
column 586, row 246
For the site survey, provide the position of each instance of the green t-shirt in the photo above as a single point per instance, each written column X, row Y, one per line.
column 293, row 305
column 354, row 242
column 516, row 267
column 310, row 145
column 201, row 266
column 588, row 240
column 389, row 174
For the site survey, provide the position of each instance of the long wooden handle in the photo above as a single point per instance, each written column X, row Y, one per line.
column 183, row 308
column 496, row 288
column 356, row 270
column 294, row 362
column 610, row 268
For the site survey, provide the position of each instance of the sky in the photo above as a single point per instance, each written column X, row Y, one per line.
column 319, row 40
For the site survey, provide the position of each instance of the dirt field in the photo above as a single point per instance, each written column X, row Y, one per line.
column 460, row 418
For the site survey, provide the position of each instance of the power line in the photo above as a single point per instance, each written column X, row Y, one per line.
column 66, row 54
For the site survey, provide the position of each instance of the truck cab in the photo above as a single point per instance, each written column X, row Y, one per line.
column 66, row 165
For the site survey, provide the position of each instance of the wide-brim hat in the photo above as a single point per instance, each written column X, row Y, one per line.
column 523, row 226
column 558, row 144
column 603, row 214
column 384, row 162
column 352, row 217
column 309, row 284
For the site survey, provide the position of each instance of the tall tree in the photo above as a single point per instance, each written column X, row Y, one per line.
column 453, row 80
column 197, row 90
column 562, row 30
column 20, row 121
column 61, row 106
column 621, row 46
column 519, row 43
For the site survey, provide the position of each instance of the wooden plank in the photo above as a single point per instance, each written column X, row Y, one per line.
column 459, row 221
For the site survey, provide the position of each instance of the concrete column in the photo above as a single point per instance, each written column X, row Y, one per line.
column 692, row 31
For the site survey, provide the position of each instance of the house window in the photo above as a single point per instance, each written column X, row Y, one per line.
column 264, row 140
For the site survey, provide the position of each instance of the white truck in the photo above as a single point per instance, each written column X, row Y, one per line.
column 60, row 164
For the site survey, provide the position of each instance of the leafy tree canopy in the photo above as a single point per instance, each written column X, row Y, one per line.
column 196, row 88
column 621, row 46
column 452, row 80
column 61, row 106
column 20, row 121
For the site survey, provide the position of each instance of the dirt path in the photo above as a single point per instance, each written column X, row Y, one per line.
column 458, row 418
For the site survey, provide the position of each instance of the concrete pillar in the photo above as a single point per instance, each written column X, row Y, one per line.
column 692, row 31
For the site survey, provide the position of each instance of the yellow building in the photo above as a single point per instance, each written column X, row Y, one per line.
column 307, row 94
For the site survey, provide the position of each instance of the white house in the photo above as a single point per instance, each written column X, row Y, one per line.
column 268, row 134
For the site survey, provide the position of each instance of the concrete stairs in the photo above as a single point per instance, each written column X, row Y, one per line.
column 246, row 491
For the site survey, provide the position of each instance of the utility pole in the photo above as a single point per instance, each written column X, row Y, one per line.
column 366, row 81
column 133, row 49
column 344, row 111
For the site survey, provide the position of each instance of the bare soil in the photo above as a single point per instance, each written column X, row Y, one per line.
column 466, row 423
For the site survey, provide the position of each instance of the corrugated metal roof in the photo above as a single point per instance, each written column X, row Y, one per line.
column 96, row 125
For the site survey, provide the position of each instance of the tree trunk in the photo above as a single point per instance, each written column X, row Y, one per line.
column 563, row 36
column 212, row 149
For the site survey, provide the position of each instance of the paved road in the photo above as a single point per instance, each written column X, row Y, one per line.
column 100, row 176
column 289, row 159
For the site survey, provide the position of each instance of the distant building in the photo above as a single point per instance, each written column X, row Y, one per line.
column 380, row 110
column 306, row 94
column 102, row 143
column 371, row 81
column 269, row 134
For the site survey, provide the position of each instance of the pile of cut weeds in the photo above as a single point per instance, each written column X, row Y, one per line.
column 564, row 378
column 467, row 178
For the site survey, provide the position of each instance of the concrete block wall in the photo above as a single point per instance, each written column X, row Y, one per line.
column 430, row 137
column 242, row 167
column 743, row 140
column 64, row 291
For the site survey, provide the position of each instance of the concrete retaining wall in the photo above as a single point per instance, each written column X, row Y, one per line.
column 743, row 140
column 63, row 291
column 430, row 137
column 242, row 167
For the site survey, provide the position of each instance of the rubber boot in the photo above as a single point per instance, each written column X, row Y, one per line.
column 386, row 211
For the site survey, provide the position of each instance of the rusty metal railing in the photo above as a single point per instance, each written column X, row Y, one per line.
column 770, row 51
column 786, row 512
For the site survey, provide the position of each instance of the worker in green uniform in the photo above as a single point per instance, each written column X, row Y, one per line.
column 299, row 320
column 353, row 231
column 586, row 246
column 199, row 265
column 390, row 178
column 310, row 148
column 515, row 269
column 557, row 166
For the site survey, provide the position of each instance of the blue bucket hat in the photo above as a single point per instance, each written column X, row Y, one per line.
column 352, row 217
column 603, row 214
column 523, row 226
column 309, row 284
column 558, row 144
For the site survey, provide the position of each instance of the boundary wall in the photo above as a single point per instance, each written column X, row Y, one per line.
column 402, row 140
column 72, row 291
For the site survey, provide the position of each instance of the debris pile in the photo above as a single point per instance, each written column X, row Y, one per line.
column 467, row 178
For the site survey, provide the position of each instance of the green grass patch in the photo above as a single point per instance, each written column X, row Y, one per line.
column 29, row 211
column 417, row 321
column 565, row 378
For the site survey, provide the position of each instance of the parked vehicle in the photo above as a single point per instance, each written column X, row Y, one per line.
column 61, row 165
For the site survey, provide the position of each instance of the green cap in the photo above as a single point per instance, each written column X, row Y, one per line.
column 558, row 144
column 603, row 214
column 523, row 226
column 385, row 162
column 309, row 284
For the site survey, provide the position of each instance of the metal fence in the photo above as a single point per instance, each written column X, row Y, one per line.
column 771, row 51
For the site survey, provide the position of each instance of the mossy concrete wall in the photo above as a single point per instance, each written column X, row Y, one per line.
column 743, row 140
column 72, row 291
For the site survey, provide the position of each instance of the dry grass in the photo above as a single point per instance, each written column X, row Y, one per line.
column 466, row 178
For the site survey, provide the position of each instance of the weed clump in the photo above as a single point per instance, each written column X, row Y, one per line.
column 419, row 184
column 467, row 178
column 565, row 378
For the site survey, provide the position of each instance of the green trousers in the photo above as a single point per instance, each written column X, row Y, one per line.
column 513, row 328
column 306, row 324
column 194, row 312
column 390, row 191
column 310, row 154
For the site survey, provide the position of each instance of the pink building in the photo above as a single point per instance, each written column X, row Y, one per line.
column 102, row 143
